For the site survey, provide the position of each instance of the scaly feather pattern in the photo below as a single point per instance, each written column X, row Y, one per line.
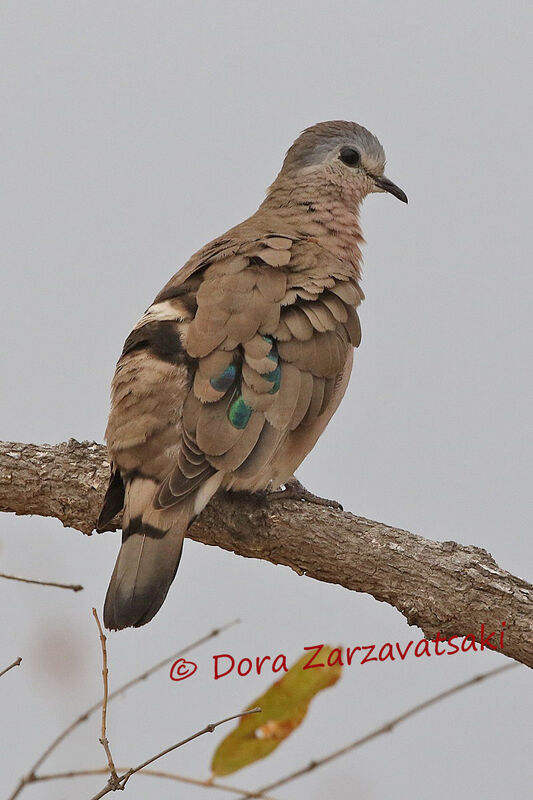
column 234, row 371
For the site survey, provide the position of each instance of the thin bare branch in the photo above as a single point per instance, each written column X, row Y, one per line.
column 442, row 587
column 113, row 779
column 75, row 587
column 123, row 779
column 16, row 663
column 150, row 773
column 31, row 775
column 386, row 728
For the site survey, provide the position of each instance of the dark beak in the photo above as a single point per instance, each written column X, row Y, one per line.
column 388, row 186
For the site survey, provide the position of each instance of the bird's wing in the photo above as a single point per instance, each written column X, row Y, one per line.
column 267, row 343
column 238, row 362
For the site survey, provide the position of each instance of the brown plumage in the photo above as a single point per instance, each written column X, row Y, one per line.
column 236, row 368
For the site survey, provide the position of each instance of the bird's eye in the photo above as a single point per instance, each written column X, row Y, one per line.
column 350, row 156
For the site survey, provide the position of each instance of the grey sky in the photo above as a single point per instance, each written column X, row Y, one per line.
column 133, row 133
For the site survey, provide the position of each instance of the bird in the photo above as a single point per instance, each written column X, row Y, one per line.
column 234, row 371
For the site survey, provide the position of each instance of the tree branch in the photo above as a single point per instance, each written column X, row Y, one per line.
column 31, row 776
column 439, row 586
column 16, row 663
column 113, row 777
column 123, row 779
column 151, row 773
column 75, row 587
column 388, row 727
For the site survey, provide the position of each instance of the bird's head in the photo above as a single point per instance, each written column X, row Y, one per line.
column 341, row 155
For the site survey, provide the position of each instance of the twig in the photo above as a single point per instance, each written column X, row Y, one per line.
column 149, row 773
column 113, row 779
column 75, row 587
column 15, row 663
column 123, row 779
column 386, row 728
column 31, row 776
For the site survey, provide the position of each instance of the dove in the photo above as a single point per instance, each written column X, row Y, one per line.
column 232, row 374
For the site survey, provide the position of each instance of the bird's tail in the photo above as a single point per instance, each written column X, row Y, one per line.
column 152, row 541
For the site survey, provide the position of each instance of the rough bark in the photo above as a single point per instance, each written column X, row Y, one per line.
column 439, row 586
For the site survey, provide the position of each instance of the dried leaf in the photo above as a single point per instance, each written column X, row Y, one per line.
column 284, row 706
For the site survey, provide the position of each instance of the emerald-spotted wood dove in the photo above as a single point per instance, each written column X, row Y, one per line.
column 236, row 368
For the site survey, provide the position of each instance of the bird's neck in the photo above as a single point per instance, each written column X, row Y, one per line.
column 327, row 213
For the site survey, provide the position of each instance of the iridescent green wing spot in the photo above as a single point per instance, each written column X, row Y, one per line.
column 273, row 377
column 222, row 382
column 239, row 412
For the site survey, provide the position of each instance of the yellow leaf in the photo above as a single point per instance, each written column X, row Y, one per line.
column 283, row 708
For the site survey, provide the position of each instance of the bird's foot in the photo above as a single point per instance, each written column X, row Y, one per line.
column 294, row 490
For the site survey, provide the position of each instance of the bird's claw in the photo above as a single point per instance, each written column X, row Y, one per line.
column 294, row 490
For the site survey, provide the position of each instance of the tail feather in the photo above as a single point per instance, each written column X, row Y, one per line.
column 113, row 500
column 146, row 565
column 145, row 568
column 152, row 541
